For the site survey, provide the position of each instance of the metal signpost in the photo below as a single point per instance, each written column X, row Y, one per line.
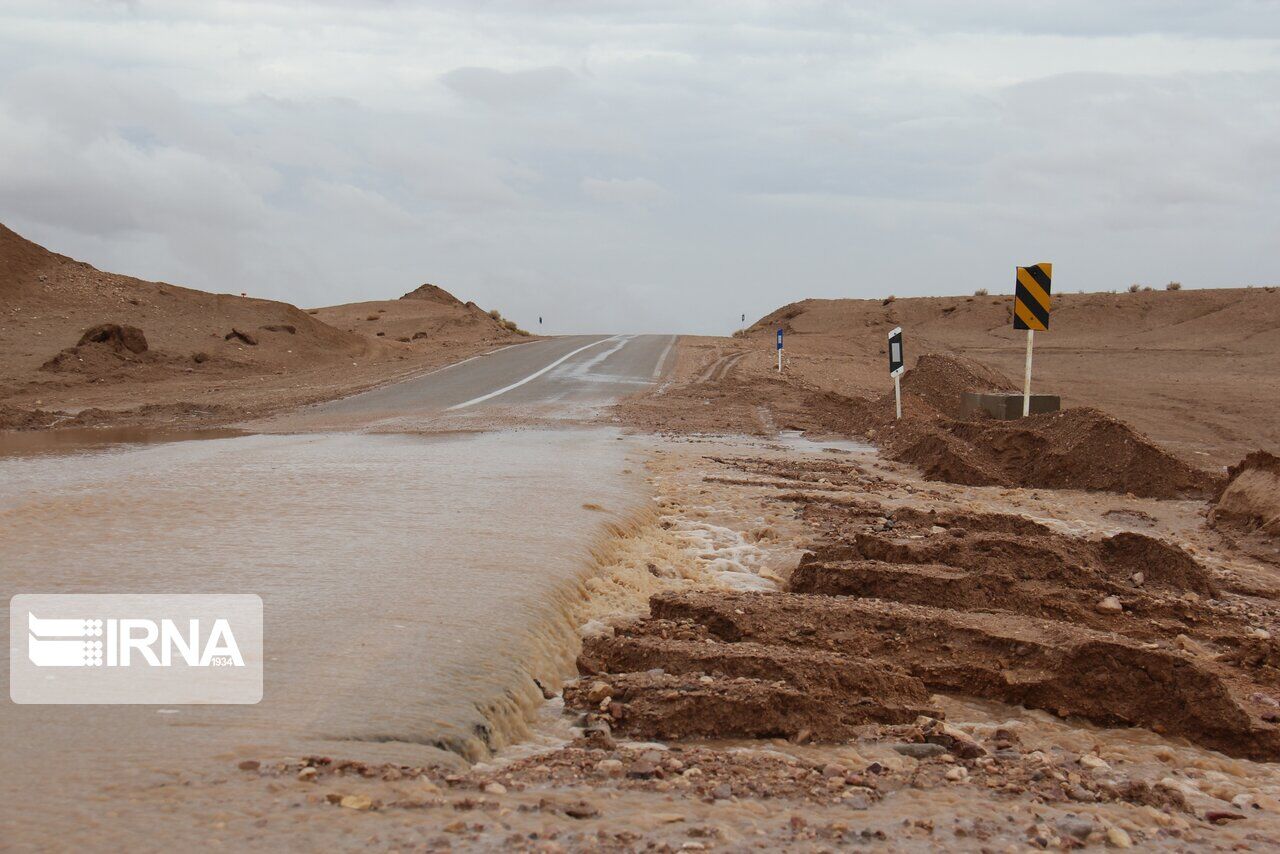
column 897, row 364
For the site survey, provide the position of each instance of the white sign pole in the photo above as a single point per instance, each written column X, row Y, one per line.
column 897, row 394
column 1026, row 382
column 779, row 360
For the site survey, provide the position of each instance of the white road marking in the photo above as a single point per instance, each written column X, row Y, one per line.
column 533, row 376
column 657, row 372
column 583, row 370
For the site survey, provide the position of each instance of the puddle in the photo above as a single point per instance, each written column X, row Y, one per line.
column 70, row 440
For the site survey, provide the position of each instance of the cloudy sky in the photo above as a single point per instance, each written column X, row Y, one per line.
column 661, row 165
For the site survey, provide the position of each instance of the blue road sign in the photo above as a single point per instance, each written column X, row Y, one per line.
column 779, row 339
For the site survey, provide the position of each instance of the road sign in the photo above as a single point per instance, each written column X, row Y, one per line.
column 897, row 361
column 779, row 351
column 779, row 339
column 1031, row 312
column 897, row 364
column 1031, row 297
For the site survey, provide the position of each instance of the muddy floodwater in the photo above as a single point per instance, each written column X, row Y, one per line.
column 414, row 587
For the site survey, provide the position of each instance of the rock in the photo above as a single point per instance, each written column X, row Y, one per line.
column 308, row 773
column 609, row 767
column 121, row 337
column 281, row 327
column 1187, row 644
column 957, row 774
column 954, row 740
column 1138, row 578
column 356, row 802
column 642, row 769
column 200, row 358
column 1109, row 605
column 245, row 337
column 1076, row 827
column 581, row 810
column 249, row 765
column 723, row 792
column 1221, row 816
column 1081, row 794
column 1094, row 762
column 1118, row 838
column 667, row 817
column 599, row 691
column 495, row 788
column 919, row 751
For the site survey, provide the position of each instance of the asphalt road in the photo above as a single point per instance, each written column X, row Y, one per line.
column 574, row 368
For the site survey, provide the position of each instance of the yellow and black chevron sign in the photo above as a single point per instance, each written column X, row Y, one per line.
column 1031, row 297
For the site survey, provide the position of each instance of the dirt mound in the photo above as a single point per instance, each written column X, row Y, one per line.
column 433, row 293
column 939, row 381
column 1043, row 664
column 115, row 335
column 1250, row 501
column 646, row 683
column 1129, row 583
column 1074, row 449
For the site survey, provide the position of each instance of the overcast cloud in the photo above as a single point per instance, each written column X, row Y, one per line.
column 648, row 166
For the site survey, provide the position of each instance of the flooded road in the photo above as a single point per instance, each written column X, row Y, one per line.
column 416, row 588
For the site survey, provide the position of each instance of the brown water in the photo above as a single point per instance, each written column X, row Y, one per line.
column 414, row 588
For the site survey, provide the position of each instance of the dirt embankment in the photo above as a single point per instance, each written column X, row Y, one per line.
column 1247, row 510
column 85, row 347
column 720, row 387
column 1192, row 369
column 893, row 604
column 1079, row 448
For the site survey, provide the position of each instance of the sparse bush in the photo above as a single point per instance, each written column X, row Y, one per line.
column 1173, row 286
column 1133, row 289
column 980, row 292
column 509, row 325
column 1146, row 289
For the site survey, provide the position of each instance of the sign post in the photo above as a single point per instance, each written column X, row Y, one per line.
column 779, row 351
column 1031, row 312
column 897, row 364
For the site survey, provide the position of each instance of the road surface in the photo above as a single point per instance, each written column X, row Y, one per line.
column 552, row 377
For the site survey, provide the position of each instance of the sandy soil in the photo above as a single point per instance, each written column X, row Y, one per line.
column 207, row 358
column 1194, row 370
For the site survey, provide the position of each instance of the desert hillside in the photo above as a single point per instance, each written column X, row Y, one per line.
column 1194, row 369
column 83, row 346
column 426, row 314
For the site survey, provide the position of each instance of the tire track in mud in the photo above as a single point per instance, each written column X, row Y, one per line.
column 720, row 368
